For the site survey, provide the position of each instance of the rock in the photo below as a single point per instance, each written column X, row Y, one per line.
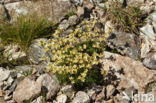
column 24, row 69
column 110, row 91
column 80, row 11
column 147, row 46
column 27, row 89
column 129, row 72
column 13, row 86
column 108, row 27
column 77, row 2
column 125, row 43
column 54, row 10
column 61, row 98
column 64, row 25
column 152, row 17
column 2, row 12
column 81, row 97
column 50, row 83
column 73, row 20
column 148, row 36
column 10, row 80
column 148, row 31
column 37, row 52
column 13, row 52
column 97, row 1
column 40, row 99
column 92, row 94
column 4, row 74
column 150, row 61
column 68, row 90
column 101, row 96
column 134, row 2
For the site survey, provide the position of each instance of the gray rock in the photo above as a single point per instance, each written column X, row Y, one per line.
column 81, row 97
column 110, row 90
column 125, row 43
column 26, row 90
column 80, row 11
column 152, row 17
column 53, row 10
column 13, row 52
column 61, row 98
column 50, row 83
column 72, row 20
column 68, row 90
column 40, row 99
column 101, row 95
column 13, row 86
column 4, row 74
column 77, row 2
column 64, row 25
column 97, row 1
column 37, row 52
column 91, row 93
column 148, row 31
column 150, row 61
column 24, row 69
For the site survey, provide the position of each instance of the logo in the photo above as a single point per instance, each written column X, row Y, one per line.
column 139, row 97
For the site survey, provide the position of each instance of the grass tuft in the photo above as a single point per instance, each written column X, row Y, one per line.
column 127, row 19
column 25, row 30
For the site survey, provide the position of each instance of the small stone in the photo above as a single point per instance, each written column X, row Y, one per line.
column 24, row 69
column 1, row 93
column 40, row 99
column 77, row 2
column 61, row 98
column 13, row 74
column 27, row 89
column 73, row 20
column 7, row 97
column 68, row 90
column 10, row 80
column 81, row 97
column 50, row 83
column 36, row 51
column 150, row 61
column 148, row 31
column 4, row 74
column 101, row 95
column 110, row 90
column 13, row 52
column 64, row 25
column 80, row 11
column 92, row 94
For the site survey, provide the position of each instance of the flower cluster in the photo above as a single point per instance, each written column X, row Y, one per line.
column 76, row 54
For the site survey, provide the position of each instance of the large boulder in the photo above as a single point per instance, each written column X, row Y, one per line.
column 126, row 43
column 26, row 90
column 129, row 72
column 53, row 9
column 50, row 85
